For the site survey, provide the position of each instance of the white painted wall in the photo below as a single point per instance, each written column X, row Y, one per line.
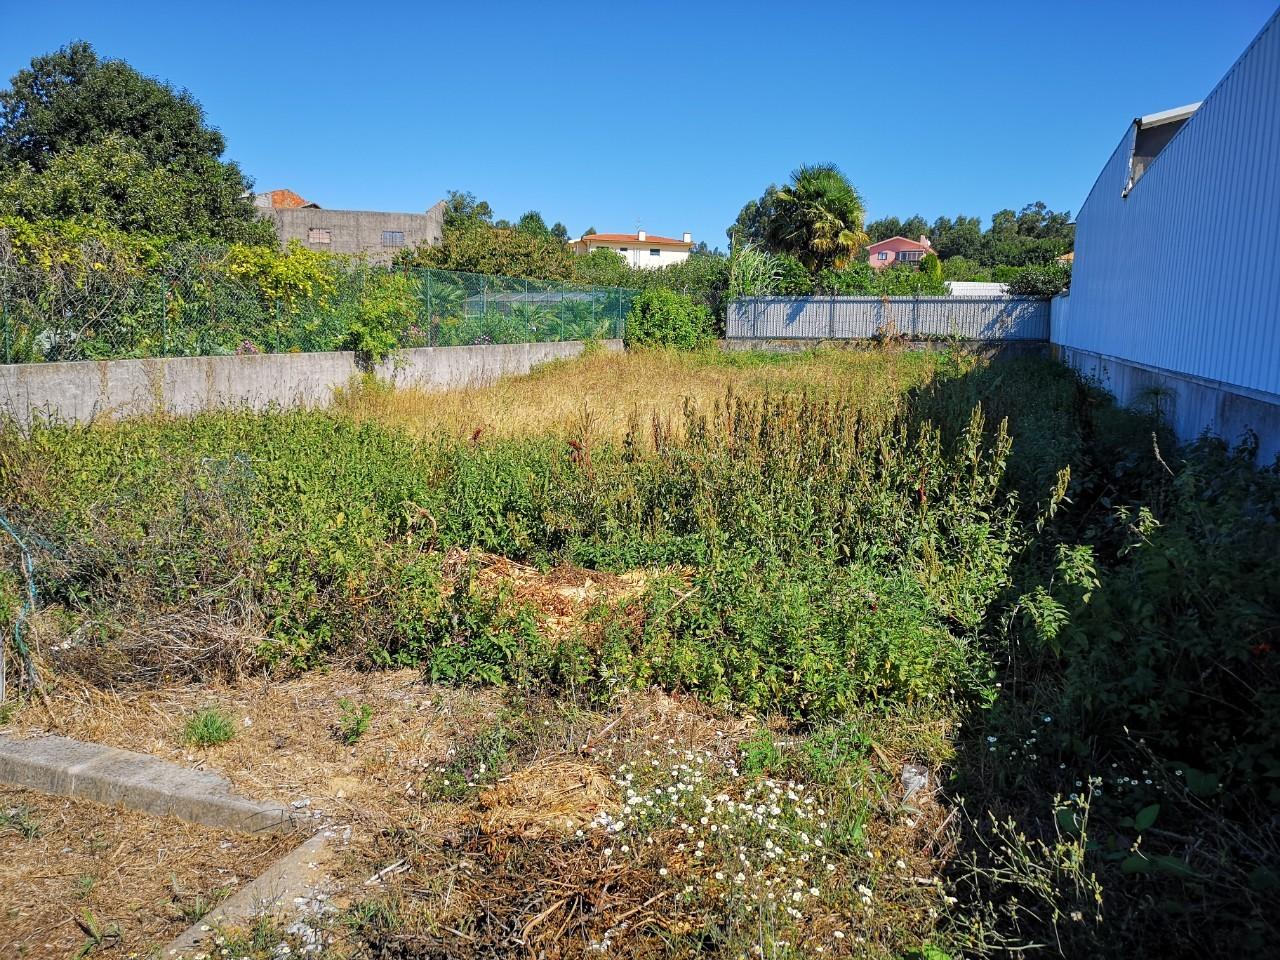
column 637, row 254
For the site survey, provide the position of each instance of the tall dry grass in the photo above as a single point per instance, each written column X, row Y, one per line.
column 606, row 390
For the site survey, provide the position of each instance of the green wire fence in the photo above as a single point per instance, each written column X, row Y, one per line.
column 191, row 305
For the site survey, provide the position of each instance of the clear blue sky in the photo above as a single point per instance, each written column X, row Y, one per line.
column 666, row 115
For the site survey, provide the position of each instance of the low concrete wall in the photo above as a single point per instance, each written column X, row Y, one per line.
column 83, row 391
column 1191, row 405
column 984, row 348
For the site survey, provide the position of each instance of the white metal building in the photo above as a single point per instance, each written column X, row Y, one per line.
column 1176, row 285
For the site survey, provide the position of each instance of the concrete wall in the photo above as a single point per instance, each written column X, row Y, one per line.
column 1190, row 405
column 357, row 231
column 83, row 391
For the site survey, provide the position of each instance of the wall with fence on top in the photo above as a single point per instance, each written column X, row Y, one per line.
column 199, row 301
column 860, row 318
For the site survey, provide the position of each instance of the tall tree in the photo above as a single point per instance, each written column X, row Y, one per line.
column 461, row 208
column 68, row 117
column 914, row 226
column 818, row 218
column 533, row 223
column 71, row 99
column 884, row 228
column 752, row 225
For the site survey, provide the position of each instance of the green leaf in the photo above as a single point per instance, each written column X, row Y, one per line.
column 1200, row 783
column 1146, row 817
column 1157, row 863
column 1067, row 821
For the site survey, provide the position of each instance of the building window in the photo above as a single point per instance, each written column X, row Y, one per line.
column 909, row 255
column 622, row 249
column 393, row 238
column 882, row 255
column 319, row 235
column 655, row 252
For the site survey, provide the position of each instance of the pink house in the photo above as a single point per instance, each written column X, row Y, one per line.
column 898, row 250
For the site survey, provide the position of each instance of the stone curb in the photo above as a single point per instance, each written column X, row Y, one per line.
column 66, row 767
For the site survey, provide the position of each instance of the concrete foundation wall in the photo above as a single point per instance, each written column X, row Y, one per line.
column 1191, row 405
column 80, row 392
column 984, row 348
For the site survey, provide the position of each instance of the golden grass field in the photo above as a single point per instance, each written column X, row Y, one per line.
column 602, row 392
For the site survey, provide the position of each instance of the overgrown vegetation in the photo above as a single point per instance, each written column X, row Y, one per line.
column 995, row 571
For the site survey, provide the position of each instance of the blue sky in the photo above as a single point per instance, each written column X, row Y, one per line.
column 669, row 116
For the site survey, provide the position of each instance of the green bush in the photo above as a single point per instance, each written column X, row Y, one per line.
column 1040, row 280
column 665, row 318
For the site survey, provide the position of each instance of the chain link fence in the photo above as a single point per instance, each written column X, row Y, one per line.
column 186, row 302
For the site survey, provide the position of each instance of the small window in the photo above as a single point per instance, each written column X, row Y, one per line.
column 319, row 235
column 393, row 238
column 655, row 252
column 622, row 249
column 882, row 255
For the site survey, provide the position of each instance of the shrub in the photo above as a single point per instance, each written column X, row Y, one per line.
column 665, row 318
column 793, row 279
column 1042, row 280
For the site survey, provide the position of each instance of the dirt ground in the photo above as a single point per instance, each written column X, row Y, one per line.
column 75, row 873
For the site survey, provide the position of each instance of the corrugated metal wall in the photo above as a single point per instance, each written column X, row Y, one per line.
column 1184, row 272
column 834, row 318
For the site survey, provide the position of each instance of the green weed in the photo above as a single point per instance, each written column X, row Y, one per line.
column 208, row 728
column 353, row 720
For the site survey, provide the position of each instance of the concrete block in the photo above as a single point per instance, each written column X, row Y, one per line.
column 66, row 767
column 291, row 887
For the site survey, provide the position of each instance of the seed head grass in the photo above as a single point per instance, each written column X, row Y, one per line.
column 609, row 390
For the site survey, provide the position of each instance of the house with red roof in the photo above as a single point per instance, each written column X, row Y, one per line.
column 640, row 249
column 886, row 253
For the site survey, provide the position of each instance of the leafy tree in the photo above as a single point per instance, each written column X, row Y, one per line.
column 961, row 237
column 913, row 227
column 70, row 117
column 817, row 218
column 560, row 232
column 462, row 208
column 752, row 225
column 589, row 232
column 883, row 229
column 478, row 248
column 111, row 182
column 533, row 223
column 71, row 99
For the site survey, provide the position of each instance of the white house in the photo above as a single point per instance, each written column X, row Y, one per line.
column 639, row 249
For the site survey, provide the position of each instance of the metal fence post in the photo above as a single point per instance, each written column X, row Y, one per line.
column 430, row 316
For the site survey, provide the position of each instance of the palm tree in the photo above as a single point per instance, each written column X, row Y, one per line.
column 819, row 218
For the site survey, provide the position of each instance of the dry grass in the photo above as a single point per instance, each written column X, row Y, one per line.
column 139, row 880
column 600, row 392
